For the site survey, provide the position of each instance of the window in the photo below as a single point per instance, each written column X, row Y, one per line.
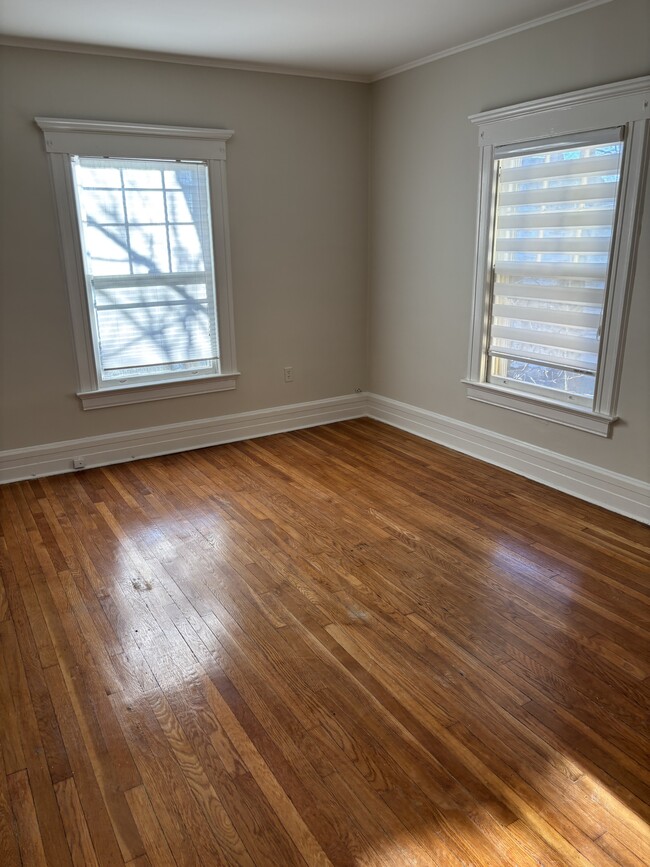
column 559, row 217
column 142, row 212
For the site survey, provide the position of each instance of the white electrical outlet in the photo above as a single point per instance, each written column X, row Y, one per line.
column 288, row 374
column 78, row 463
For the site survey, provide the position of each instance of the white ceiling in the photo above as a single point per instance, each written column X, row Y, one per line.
column 363, row 38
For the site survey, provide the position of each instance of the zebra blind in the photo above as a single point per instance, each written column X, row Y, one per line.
column 553, row 226
column 147, row 244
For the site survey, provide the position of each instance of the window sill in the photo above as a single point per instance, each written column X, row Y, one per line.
column 156, row 390
column 571, row 416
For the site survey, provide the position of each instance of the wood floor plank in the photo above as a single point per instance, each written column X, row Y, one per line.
column 185, row 808
column 10, row 739
column 9, row 851
column 88, row 786
column 149, row 827
column 339, row 646
column 76, row 826
column 29, row 724
column 30, row 841
column 6, row 566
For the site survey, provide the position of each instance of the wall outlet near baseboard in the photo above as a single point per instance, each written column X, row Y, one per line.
column 288, row 374
column 78, row 463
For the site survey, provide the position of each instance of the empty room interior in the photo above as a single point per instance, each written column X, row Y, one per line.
column 324, row 433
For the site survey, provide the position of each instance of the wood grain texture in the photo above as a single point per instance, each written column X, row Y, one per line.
column 338, row 646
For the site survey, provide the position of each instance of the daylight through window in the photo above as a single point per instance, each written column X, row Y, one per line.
column 555, row 212
column 143, row 219
column 559, row 216
column 146, row 238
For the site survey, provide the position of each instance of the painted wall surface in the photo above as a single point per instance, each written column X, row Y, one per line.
column 297, row 183
column 424, row 179
column 300, row 215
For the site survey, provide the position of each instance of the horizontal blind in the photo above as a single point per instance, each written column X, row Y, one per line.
column 146, row 236
column 554, row 218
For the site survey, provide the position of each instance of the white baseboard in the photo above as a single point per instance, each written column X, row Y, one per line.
column 54, row 458
column 622, row 494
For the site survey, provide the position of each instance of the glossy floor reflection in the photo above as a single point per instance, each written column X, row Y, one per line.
column 343, row 645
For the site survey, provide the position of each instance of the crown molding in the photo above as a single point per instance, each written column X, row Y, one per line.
column 492, row 37
column 170, row 57
column 218, row 63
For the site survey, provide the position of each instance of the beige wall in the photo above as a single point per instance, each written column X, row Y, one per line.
column 298, row 190
column 423, row 217
column 297, row 178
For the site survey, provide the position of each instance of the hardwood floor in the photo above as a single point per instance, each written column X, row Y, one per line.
column 343, row 645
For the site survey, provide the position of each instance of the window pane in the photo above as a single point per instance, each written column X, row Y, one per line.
column 102, row 175
column 102, row 206
column 143, row 223
column 107, row 250
column 555, row 213
column 160, row 371
column 558, row 381
column 149, row 250
column 178, row 206
column 144, row 206
column 143, row 177
column 154, row 335
column 186, row 248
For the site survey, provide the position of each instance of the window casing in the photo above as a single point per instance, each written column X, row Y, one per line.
column 559, row 216
column 143, row 220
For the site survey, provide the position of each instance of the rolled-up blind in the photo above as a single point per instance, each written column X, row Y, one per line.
column 146, row 238
column 554, row 218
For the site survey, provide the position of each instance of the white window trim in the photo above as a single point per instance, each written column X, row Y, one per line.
column 623, row 104
column 64, row 138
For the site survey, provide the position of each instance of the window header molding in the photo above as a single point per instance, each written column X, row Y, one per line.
column 90, row 137
column 593, row 108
